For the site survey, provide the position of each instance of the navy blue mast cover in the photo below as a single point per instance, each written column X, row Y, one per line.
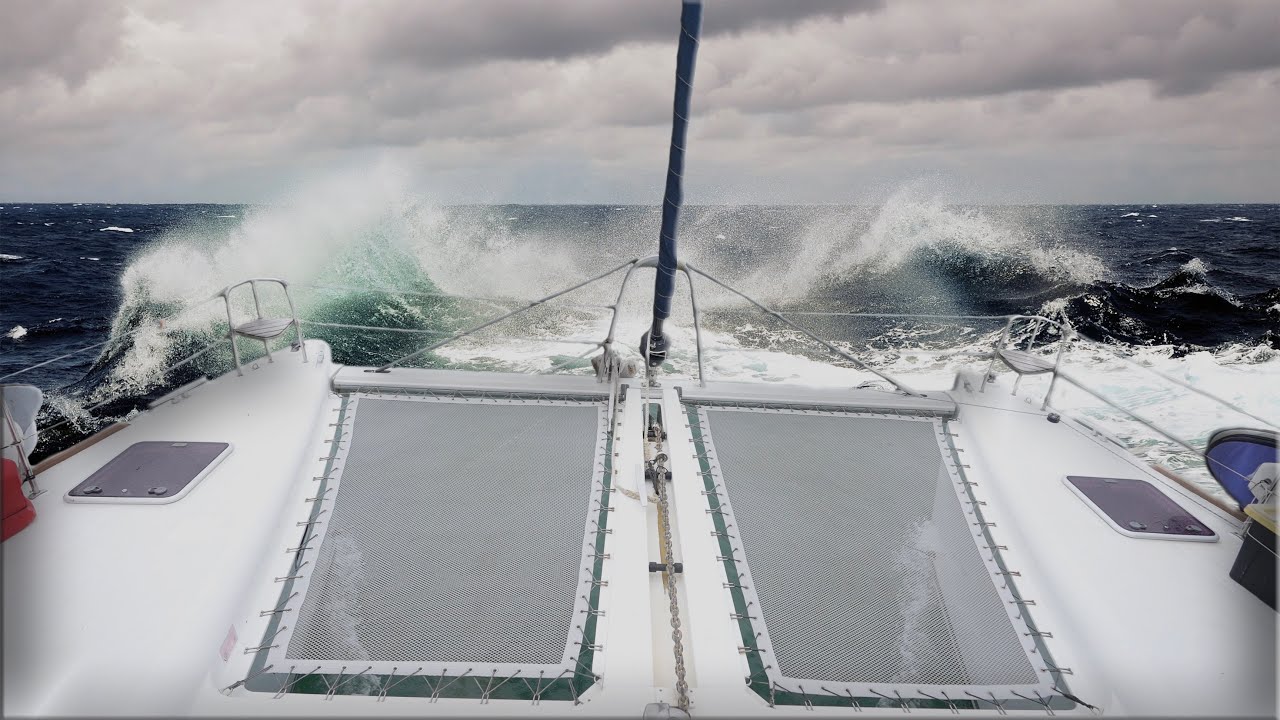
column 1235, row 454
column 655, row 344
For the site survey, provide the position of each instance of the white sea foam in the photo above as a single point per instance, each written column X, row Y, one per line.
column 17, row 332
column 115, row 229
column 299, row 238
column 1198, row 268
column 341, row 607
column 915, row 596
column 1195, row 266
column 919, row 221
column 1202, row 289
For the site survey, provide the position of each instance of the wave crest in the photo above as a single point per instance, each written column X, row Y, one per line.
column 916, row 228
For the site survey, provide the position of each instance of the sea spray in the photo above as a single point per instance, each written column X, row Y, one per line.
column 916, row 225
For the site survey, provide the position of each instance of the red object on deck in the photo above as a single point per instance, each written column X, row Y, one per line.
column 18, row 511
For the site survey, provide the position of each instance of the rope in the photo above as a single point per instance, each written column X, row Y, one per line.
column 108, row 341
column 1178, row 382
column 417, row 331
column 387, row 367
column 420, row 293
column 860, row 364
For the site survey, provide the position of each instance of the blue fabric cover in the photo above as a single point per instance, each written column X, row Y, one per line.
column 686, row 57
column 1233, row 456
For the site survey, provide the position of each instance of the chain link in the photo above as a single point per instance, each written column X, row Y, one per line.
column 677, row 636
column 658, row 466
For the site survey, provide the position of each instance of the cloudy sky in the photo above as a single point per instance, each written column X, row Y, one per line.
column 569, row 100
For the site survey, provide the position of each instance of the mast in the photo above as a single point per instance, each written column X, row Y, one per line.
column 654, row 344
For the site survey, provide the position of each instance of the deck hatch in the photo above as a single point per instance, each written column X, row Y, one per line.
column 151, row 472
column 456, row 539
column 857, row 564
column 1137, row 509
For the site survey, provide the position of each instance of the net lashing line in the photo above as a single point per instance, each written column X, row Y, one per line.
column 545, row 685
column 805, row 695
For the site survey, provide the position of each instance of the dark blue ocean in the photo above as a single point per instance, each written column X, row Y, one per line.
column 1181, row 279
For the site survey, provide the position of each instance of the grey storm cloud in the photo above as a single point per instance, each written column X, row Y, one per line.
column 794, row 101
column 459, row 32
column 62, row 39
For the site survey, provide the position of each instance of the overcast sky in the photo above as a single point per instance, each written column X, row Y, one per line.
column 569, row 101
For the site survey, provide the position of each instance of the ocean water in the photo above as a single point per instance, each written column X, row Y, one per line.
column 1190, row 292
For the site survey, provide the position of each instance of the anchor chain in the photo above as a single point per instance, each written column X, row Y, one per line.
column 658, row 465
column 677, row 636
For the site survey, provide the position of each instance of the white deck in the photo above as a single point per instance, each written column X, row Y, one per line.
column 123, row 608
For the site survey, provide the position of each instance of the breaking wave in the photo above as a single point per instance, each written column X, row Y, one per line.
column 917, row 231
column 340, row 242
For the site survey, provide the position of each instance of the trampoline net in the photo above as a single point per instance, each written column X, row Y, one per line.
column 851, row 540
column 454, row 537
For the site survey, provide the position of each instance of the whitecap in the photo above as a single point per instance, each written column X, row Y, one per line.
column 9, row 258
column 1196, row 266
column 116, row 229
column 1274, row 309
column 1210, row 220
column 224, row 216
column 89, row 258
column 511, row 218
column 719, row 237
column 1129, row 215
column 17, row 333
column 1151, row 216
column 1238, row 219
column 48, row 224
